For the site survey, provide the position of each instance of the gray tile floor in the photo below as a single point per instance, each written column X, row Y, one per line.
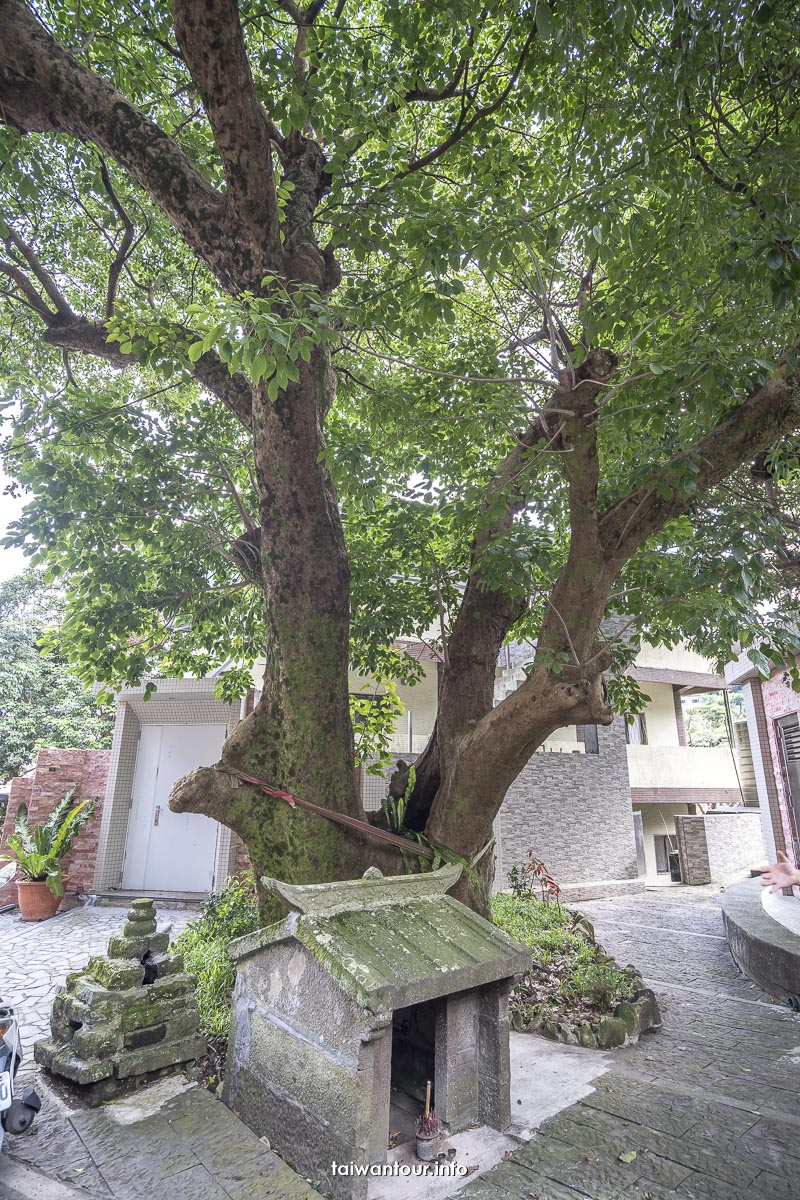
column 707, row 1109
column 37, row 957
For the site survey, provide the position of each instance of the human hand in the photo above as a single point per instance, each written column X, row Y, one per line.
column 780, row 874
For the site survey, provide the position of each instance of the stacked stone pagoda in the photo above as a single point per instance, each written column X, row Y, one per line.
column 127, row 1014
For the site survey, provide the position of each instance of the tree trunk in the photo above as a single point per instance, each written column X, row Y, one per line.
column 299, row 736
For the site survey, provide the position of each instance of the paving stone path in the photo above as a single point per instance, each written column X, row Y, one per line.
column 169, row 1141
column 710, row 1105
column 36, row 957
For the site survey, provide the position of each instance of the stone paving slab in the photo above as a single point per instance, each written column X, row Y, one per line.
column 169, row 1141
column 709, row 1104
column 39, row 955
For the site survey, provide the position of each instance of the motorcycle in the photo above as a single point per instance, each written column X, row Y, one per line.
column 17, row 1109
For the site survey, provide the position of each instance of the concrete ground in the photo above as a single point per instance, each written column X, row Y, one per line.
column 706, row 1109
column 37, row 956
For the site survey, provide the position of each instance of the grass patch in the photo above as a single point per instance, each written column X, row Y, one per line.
column 204, row 946
column 571, row 979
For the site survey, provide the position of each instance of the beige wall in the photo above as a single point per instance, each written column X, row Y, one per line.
column 662, row 724
column 679, row 658
column 657, row 818
column 681, row 767
column 419, row 700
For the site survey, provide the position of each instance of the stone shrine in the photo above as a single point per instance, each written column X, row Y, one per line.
column 125, row 1015
column 345, row 1009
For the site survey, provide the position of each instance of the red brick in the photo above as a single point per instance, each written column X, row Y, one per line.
column 57, row 771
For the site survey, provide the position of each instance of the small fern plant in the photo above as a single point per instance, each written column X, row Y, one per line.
column 37, row 850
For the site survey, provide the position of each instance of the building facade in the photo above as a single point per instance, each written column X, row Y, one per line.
column 607, row 809
column 773, row 723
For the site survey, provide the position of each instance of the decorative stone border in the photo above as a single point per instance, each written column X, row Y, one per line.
column 630, row 1018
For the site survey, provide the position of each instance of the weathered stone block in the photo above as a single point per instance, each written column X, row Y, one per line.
column 100, row 1042
column 128, row 947
column 183, row 1022
column 173, row 986
column 611, row 1032
column 626, row 1013
column 586, row 1036
column 647, row 1014
column 92, row 998
column 61, row 1061
column 149, row 1036
column 167, row 964
column 158, row 943
column 109, row 1022
column 114, row 974
column 141, row 1008
column 153, row 1058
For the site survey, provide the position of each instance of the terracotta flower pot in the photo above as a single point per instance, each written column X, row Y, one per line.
column 36, row 901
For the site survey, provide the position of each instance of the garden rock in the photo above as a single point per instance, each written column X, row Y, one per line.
column 127, row 1014
column 611, row 1032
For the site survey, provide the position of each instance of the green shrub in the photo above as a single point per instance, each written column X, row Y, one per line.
column 600, row 985
column 569, row 978
column 544, row 926
column 231, row 913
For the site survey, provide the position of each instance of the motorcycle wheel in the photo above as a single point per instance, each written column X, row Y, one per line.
column 18, row 1117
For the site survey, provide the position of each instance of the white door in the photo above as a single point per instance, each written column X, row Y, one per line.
column 167, row 851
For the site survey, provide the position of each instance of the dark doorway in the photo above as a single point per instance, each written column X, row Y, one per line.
column 413, row 1064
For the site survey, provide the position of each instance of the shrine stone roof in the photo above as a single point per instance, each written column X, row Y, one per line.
column 391, row 941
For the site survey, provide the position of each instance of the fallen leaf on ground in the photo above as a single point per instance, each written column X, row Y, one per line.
column 591, row 1160
column 627, row 1156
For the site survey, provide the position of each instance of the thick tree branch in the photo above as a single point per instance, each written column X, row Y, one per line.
column 27, row 292
column 486, row 613
column 78, row 335
column 44, row 89
column 69, row 332
column 770, row 411
column 211, row 41
column 569, row 661
column 43, row 276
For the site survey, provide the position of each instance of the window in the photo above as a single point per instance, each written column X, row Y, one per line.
column 636, row 730
column 588, row 735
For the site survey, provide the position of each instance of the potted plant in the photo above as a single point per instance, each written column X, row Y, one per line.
column 427, row 1130
column 37, row 852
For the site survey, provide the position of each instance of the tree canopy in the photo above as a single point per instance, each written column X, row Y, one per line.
column 550, row 252
column 43, row 704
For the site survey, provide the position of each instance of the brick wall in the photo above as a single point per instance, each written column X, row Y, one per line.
column 735, row 842
column 693, row 849
column 717, row 845
column 779, row 701
column 574, row 810
column 55, row 773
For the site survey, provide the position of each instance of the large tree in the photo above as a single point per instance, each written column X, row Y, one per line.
column 549, row 253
